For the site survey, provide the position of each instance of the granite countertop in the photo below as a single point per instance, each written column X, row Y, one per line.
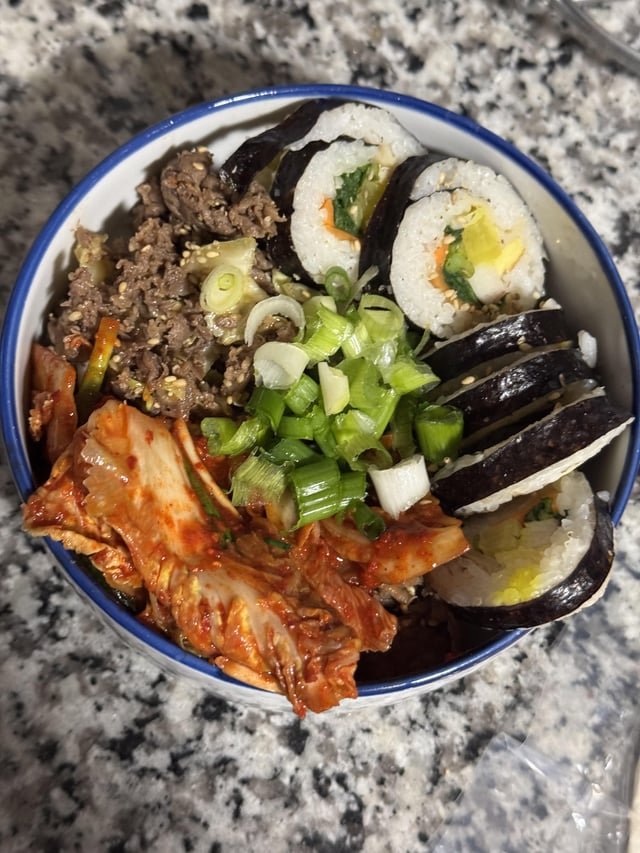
column 102, row 751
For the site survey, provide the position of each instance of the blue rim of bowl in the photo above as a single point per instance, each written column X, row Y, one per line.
column 17, row 457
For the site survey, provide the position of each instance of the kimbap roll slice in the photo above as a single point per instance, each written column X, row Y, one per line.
column 257, row 152
column 327, row 193
column 535, row 456
column 534, row 560
column 466, row 251
column 373, row 125
column 534, row 376
column 517, row 333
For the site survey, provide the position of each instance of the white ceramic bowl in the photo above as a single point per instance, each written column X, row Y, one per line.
column 582, row 277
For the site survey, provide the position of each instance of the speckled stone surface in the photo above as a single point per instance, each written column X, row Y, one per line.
column 99, row 750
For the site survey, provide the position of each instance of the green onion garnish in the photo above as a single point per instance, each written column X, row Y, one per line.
column 321, row 491
column 291, row 451
column 301, row 396
column 439, row 431
column 338, row 284
column 367, row 521
column 267, row 402
column 328, row 336
column 217, row 431
column 277, row 543
column 250, row 433
column 257, row 480
column 292, row 427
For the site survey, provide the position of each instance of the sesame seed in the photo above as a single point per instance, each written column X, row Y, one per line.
column 199, row 167
column 170, row 378
column 468, row 380
column 229, row 401
column 153, row 342
column 180, row 383
column 122, row 287
column 186, row 253
column 450, row 293
column 146, row 248
column 201, row 260
column 74, row 316
column 202, row 149
column 212, row 254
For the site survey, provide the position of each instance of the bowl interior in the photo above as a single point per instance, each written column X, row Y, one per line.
column 581, row 276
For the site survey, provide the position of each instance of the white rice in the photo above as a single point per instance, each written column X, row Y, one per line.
column 373, row 125
column 479, row 580
column 442, row 195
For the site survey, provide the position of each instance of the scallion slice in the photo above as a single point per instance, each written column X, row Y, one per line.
column 323, row 434
column 405, row 375
column 279, row 365
column 338, row 284
column 439, row 431
column 257, row 480
column 316, row 490
column 251, row 433
column 382, row 317
column 356, row 441
column 223, row 290
column 266, row 401
column 328, row 336
column 217, row 431
column 403, row 439
column 296, row 427
column 291, row 451
column 367, row 521
column 321, row 491
column 400, row 487
column 281, row 305
column 301, row 396
column 334, row 385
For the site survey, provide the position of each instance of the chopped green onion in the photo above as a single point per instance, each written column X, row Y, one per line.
column 439, row 431
column 223, row 290
column 302, row 395
column 320, row 490
column 403, row 440
column 251, row 433
column 279, row 365
column 400, row 487
column 281, row 305
column 353, row 487
column 406, row 375
column 257, row 480
column 217, row 431
column 323, row 434
column 367, row 521
column 329, row 335
column 338, row 284
column 357, row 342
column 364, row 382
column 357, row 443
column 297, row 427
column 265, row 401
column 316, row 490
column 382, row 317
column 334, row 386
column 383, row 412
column 291, row 451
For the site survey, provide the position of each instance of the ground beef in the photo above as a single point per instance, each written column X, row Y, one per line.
column 199, row 201
column 167, row 358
